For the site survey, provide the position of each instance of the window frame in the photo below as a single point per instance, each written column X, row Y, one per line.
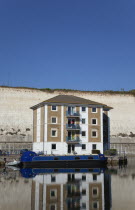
column 83, row 191
column 96, row 133
column 94, row 119
column 52, row 118
column 84, row 120
column 55, row 190
column 83, row 177
column 52, row 108
column 83, row 205
column 53, row 178
column 97, row 192
column 94, row 177
column 52, row 146
column 93, row 146
column 94, row 108
column 82, row 108
column 97, row 202
column 52, row 204
column 84, row 145
column 54, row 129
column 85, row 134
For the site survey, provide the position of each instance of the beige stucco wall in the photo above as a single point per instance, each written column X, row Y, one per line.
column 16, row 117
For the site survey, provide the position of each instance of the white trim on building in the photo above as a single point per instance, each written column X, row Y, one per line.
column 38, row 123
column 46, row 120
column 62, row 122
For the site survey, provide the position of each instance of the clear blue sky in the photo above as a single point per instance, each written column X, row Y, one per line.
column 76, row 44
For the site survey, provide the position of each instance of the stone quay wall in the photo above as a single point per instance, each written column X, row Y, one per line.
column 123, row 145
column 16, row 117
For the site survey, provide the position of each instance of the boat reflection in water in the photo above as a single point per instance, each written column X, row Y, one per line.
column 69, row 189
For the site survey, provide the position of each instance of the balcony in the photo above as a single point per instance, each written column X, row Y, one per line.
column 73, row 182
column 71, row 140
column 73, row 194
column 72, row 114
column 73, row 127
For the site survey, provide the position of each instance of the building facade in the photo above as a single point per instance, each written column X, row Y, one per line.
column 70, row 125
column 71, row 191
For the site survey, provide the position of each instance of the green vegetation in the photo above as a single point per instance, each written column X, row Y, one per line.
column 130, row 92
column 110, row 152
column 126, row 135
column 123, row 134
column 95, row 151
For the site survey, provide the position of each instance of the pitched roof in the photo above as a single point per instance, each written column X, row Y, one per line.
column 70, row 99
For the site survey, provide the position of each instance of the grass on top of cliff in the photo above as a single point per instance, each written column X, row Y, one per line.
column 130, row 92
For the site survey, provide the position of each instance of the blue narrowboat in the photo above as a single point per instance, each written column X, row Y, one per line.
column 32, row 172
column 30, row 159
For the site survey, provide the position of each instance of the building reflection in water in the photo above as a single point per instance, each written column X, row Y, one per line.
column 71, row 191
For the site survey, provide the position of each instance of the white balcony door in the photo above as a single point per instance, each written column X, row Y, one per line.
column 71, row 109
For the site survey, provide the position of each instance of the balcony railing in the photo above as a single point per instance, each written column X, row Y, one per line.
column 71, row 140
column 73, row 127
column 73, row 194
column 72, row 114
column 74, row 182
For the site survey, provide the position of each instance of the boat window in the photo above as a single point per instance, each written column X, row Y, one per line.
column 56, row 158
column 77, row 158
column 90, row 158
column 56, row 170
column 31, row 154
column 77, row 170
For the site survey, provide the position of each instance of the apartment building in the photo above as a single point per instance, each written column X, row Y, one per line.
column 70, row 191
column 67, row 124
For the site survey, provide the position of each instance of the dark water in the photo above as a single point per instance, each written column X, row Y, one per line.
column 83, row 189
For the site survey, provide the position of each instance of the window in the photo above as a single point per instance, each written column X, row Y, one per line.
column 94, row 146
column 83, row 178
column 83, row 191
column 53, row 178
column 53, row 146
column 54, row 133
column 83, row 133
column 53, row 207
column 54, row 120
column 94, row 109
column 94, row 134
column 83, row 109
column 94, row 177
column 94, row 121
column 95, row 191
column 71, row 122
column 83, row 146
column 83, row 121
column 54, row 108
column 53, row 193
column 95, row 205
column 71, row 110
column 84, row 205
